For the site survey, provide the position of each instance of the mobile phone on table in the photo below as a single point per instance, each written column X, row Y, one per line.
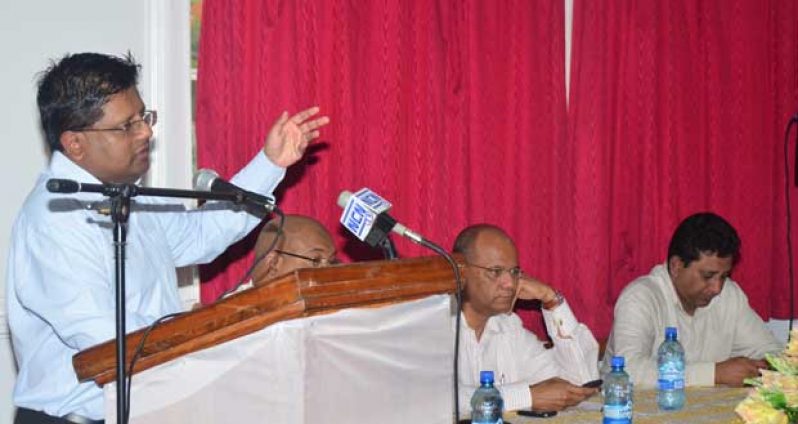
column 536, row 414
column 593, row 384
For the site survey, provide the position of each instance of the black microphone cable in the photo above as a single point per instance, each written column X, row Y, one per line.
column 140, row 347
column 792, row 122
column 137, row 355
column 459, row 306
column 385, row 223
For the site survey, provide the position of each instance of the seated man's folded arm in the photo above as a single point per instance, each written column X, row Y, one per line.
column 575, row 348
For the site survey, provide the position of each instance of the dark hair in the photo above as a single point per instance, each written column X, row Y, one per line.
column 73, row 91
column 706, row 233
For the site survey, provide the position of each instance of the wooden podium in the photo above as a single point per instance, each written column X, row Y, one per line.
column 371, row 327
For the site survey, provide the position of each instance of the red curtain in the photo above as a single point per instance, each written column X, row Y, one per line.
column 455, row 111
column 677, row 107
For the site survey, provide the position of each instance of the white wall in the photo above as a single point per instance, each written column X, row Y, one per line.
column 34, row 31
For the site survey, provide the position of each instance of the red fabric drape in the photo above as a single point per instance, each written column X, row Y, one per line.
column 677, row 107
column 455, row 111
column 452, row 110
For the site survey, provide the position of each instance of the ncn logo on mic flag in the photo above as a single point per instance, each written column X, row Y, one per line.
column 358, row 217
column 373, row 201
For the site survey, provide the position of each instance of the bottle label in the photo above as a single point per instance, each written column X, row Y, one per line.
column 671, row 376
column 487, row 412
column 617, row 414
column 675, row 384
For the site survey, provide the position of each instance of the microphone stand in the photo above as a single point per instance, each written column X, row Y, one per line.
column 120, row 212
column 388, row 248
column 120, row 195
column 114, row 190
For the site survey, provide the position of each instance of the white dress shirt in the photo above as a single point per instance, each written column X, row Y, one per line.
column 519, row 359
column 61, row 275
column 725, row 328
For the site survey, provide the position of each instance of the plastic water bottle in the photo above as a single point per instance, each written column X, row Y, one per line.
column 617, row 391
column 670, row 383
column 486, row 404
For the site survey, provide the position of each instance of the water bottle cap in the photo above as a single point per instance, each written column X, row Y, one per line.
column 485, row 377
column 670, row 332
column 617, row 361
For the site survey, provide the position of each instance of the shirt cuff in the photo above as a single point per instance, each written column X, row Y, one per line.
column 560, row 321
column 700, row 374
column 260, row 175
column 516, row 396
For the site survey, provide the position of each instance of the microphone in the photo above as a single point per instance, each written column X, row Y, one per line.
column 209, row 180
column 58, row 185
column 365, row 215
column 121, row 190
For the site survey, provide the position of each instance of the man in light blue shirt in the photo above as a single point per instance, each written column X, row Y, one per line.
column 60, row 281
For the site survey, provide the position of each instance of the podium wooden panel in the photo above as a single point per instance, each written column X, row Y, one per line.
column 304, row 292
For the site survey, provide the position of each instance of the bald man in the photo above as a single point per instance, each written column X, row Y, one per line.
column 493, row 338
column 302, row 243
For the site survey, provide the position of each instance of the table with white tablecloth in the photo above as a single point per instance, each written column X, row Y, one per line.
column 710, row 405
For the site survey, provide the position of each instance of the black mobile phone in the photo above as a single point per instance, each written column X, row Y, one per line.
column 593, row 384
column 536, row 414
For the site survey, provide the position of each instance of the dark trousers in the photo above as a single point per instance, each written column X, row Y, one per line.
column 29, row 416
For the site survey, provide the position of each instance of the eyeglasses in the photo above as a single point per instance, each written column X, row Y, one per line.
column 148, row 117
column 317, row 262
column 495, row 272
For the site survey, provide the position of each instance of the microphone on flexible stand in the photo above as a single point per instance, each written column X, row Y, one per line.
column 114, row 190
column 120, row 194
column 366, row 216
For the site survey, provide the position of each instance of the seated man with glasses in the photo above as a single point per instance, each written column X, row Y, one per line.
column 302, row 243
column 493, row 338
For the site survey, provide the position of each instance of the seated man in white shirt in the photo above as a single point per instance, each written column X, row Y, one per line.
column 493, row 338
column 723, row 338
column 302, row 243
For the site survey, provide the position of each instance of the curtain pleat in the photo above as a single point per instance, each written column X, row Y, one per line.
column 455, row 111
column 678, row 107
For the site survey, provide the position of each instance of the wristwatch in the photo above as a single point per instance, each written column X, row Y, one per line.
column 557, row 301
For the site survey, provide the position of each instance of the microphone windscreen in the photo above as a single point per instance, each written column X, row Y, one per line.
column 343, row 198
column 57, row 185
column 203, row 180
